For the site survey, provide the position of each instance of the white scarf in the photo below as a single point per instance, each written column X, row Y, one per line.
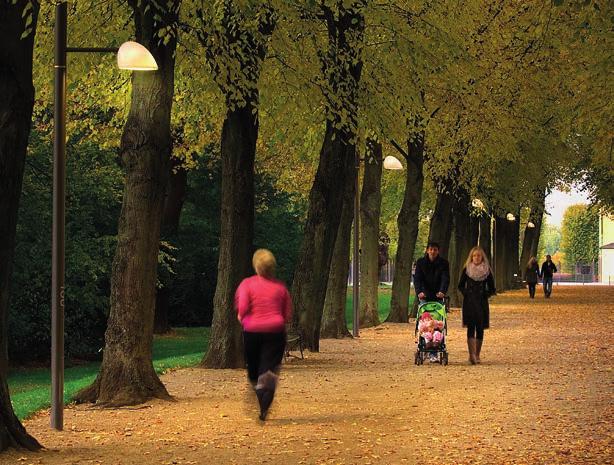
column 478, row 272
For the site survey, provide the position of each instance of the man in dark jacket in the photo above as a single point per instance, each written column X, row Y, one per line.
column 432, row 275
column 548, row 270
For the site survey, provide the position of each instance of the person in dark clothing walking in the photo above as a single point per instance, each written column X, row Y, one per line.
column 432, row 275
column 477, row 284
column 264, row 307
column 532, row 275
column 548, row 270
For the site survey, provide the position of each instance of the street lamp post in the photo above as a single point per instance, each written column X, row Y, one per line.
column 390, row 163
column 131, row 56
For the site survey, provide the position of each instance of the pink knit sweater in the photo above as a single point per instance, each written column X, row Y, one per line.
column 264, row 305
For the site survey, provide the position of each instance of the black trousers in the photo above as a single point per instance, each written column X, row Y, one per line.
column 474, row 331
column 532, row 289
column 263, row 352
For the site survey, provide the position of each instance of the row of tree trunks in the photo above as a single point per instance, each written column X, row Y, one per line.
column 173, row 204
column 334, row 324
column 500, row 252
column 370, row 208
column 16, row 103
column 407, row 223
column 342, row 65
column 127, row 375
column 513, row 270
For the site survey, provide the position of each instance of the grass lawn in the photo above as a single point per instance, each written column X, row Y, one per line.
column 31, row 388
column 383, row 305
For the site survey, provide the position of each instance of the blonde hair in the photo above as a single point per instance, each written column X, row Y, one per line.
column 531, row 261
column 477, row 248
column 264, row 263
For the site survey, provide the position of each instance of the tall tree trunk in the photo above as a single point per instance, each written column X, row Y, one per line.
column 536, row 237
column 127, row 375
column 407, row 223
column 465, row 237
column 500, row 248
column 334, row 324
column 239, row 135
column 530, row 234
column 370, row 208
column 485, row 238
column 335, row 170
column 16, row 102
column 513, row 252
column 237, row 43
column 440, row 229
column 173, row 204
column 342, row 66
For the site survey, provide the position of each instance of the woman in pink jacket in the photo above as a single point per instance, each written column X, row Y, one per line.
column 264, row 307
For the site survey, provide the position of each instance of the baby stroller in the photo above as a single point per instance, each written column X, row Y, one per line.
column 431, row 331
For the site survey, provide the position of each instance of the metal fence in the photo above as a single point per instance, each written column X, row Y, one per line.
column 386, row 273
column 581, row 273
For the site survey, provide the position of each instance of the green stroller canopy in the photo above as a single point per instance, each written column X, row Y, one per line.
column 436, row 309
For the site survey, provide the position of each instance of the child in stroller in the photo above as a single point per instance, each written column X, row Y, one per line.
column 431, row 332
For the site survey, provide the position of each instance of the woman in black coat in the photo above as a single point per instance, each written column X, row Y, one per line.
column 532, row 275
column 477, row 285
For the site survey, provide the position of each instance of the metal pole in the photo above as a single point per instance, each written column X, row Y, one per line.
column 57, row 249
column 356, row 259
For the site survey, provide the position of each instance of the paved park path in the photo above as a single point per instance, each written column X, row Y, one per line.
column 543, row 395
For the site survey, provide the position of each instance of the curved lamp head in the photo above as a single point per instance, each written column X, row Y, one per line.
column 477, row 203
column 392, row 163
column 135, row 57
column 510, row 217
column 530, row 225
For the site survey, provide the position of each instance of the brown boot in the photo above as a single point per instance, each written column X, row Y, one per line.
column 472, row 348
column 478, row 348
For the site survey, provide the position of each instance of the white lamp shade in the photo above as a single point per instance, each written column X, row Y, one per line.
column 477, row 203
column 392, row 163
column 530, row 225
column 135, row 57
column 511, row 217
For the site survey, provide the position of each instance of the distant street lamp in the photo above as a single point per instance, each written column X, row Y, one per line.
column 530, row 225
column 390, row 163
column 478, row 204
column 131, row 56
column 510, row 217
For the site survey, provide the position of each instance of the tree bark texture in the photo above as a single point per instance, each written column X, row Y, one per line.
column 335, row 170
column 239, row 135
column 173, row 204
column 127, row 376
column 485, row 235
column 513, row 248
column 407, row 223
column 334, row 324
column 440, row 229
column 16, row 103
column 370, row 208
column 342, row 66
column 530, row 234
column 465, row 237
column 501, row 253
column 538, row 231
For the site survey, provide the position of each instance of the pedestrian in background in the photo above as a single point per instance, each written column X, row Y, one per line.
column 548, row 270
column 532, row 275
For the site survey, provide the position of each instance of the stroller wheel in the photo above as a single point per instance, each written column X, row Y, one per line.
column 417, row 357
column 444, row 358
